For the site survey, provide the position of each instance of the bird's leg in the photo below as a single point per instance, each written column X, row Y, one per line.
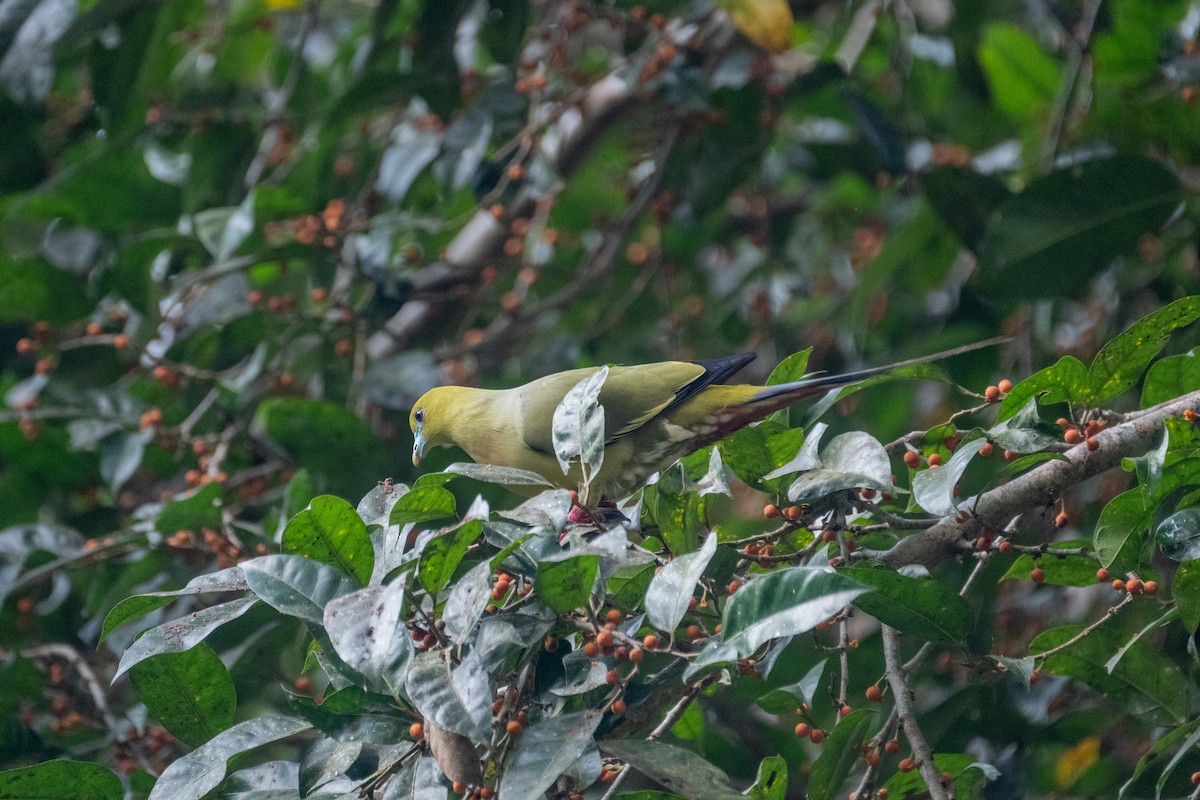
column 582, row 515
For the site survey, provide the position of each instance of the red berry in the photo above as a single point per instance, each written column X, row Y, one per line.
column 1037, row 575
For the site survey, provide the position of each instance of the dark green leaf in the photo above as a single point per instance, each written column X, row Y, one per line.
column 679, row 770
column 423, row 504
column 296, row 586
column 771, row 783
column 792, row 368
column 1049, row 239
column 60, row 780
column 1120, row 530
column 1120, row 363
column 368, row 633
column 1065, row 381
column 190, row 693
column 1144, row 682
column 182, row 634
column 194, row 775
column 194, row 513
column 545, row 751
column 1171, row 377
column 1178, row 536
column 457, row 698
column 1025, row 431
column 442, row 555
column 578, row 425
column 566, row 585
column 1186, row 591
column 672, row 588
column 838, row 755
column 920, row 607
column 933, row 488
column 1024, row 80
column 131, row 608
column 330, row 531
column 1065, row 571
column 754, row 451
column 783, row 603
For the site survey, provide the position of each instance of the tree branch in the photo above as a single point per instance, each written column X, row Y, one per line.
column 908, row 719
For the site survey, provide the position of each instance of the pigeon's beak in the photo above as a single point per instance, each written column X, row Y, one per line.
column 418, row 447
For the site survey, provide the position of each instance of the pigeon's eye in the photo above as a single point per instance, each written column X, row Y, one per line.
column 420, row 415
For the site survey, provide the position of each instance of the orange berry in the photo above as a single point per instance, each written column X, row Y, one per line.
column 591, row 650
column 94, row 329
column 44, row 366
column 604, row 639
column 733, row 586
column 618, row 707
column 1134, row 586
column 1005, row 386
column 637, row 655
column 1092, row 443
column 613, row 615
column 612, row 677
column 1196, row 778
column 121, row 341
column 458, row 787
column 693, row 604
column 497, row 211
column 912, row 459
column 802, row 730
column 935, row 460
column 513, row 246
column 1150, row 587
column 651, row 641
column 1072, row 436
column 550, row 644
column 695, row 632
column 872, row 759
column 817, row 736
column 416, row 731
column 987, row 449
column 1118, row 585
column 906, row 765
column 1037, row 575
column 874, row 694
column 1062, row 520
column 1005, row 547
column 792, row 513
column 844, row 711
column 892, row 746
column 1011, row 455
column 770, row 511
column 515, row 172
column 318, row 294
column 992, row 394
column 25, row 346
column 514, row 727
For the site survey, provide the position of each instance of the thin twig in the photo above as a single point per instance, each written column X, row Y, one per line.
column 1078, row 45
column 668, row 721
column 1109, row 614
column 902, row 695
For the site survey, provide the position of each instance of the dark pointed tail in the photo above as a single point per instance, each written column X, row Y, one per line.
column 787, row 393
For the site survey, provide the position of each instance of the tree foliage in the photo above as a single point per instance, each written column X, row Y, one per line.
column 238, row 240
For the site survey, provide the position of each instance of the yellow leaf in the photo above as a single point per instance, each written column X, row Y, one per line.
column 767, row 23
column 1076, row 761
column 282, row 5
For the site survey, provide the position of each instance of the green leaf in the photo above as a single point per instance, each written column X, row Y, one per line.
column 423, row 504
column 546, row 750
column 442, row 555
column 327, row 439
column 367, row 631
column 1065, row 381
column 963, row 770
column 771, row 782
column 920, row 607
column 786, row 698
column 1144, row 682
column 1171, row 377
column 504, row 476
column 131, row 608
column 578, row 425
column 679, row 770
column 754, row 451
column 933, row 488
column 458, row 699
column 1121, row 362
column 467, row 602
column 838, row 755
column 1023, row 79
column 672, row 588
column 849, row 461
column 1065, row 571
column 791, row 369
column 330, row 531
column 1025, row 431
column 190, row 693
column 1161, row 746
column 199, row 511
column 628, row 585
column 566, row 585
column 1050, row 239
column 1186, row 591
column 964, row 199
column 60, row 780
column 783, row 603
column 1120, row 530
column 194, row 775
column 296, row 586
column 182, row 634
